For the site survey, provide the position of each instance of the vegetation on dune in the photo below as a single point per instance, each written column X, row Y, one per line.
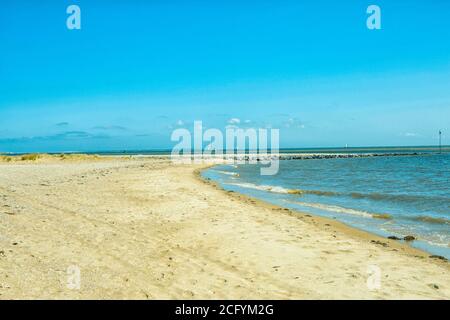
column 5, row 158
column 30, row 157
column 45, row 157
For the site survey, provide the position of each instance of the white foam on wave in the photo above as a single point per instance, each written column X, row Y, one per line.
column 234, row 174
column 321, row 206
column 268, row 188
column 332, row 208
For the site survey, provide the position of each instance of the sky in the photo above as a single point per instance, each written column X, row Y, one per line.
column 137, row 70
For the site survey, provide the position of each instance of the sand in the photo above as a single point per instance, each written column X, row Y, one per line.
column 147, row 229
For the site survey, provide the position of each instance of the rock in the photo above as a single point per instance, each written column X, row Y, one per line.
column 438, row 257
column 394, row 238
column 384, row 244
column 409, row 238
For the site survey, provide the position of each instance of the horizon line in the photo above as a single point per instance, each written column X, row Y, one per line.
column 168, row 150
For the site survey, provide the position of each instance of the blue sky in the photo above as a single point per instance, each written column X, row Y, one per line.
column 138, row 69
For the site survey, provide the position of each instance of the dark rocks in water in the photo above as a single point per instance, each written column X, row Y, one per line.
column 438, row 257
column 327, row 156
column 409, row 238
column 394, row 238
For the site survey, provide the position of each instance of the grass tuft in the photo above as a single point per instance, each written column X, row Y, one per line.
column 30, row 157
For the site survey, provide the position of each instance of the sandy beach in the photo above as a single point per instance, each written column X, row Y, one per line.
column 144, row 228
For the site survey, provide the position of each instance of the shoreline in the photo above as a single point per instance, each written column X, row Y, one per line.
column 348, row 229
column 146, row 228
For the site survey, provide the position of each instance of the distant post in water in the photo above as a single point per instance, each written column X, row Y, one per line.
column 440, row 145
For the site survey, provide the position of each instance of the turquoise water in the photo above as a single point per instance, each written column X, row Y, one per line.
column 402, row 195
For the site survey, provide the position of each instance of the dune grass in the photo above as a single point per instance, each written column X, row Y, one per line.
column 30, row 157
column 47, row 157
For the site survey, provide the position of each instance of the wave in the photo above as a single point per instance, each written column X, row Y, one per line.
column 278, row 189
column 355, row 195
column 428, row 219
column 343, row 210
column 338, row 209
column 395, row 197
column 267, row 188
column 234, row 174
column 378, row 196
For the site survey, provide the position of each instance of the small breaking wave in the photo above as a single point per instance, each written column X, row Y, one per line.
column 338, row 209
column 266, row 188
column 278, row 189
column 407, row 198
column 429, row 219
column 228, row 173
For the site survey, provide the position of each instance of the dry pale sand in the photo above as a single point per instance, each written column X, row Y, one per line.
column 148, row 229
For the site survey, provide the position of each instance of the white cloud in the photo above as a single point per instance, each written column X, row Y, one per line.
column 293, row 123
column 177, row 124
column 234, row 121
column 411, row 134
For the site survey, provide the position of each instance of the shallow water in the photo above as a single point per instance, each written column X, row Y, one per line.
column 403, row 195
